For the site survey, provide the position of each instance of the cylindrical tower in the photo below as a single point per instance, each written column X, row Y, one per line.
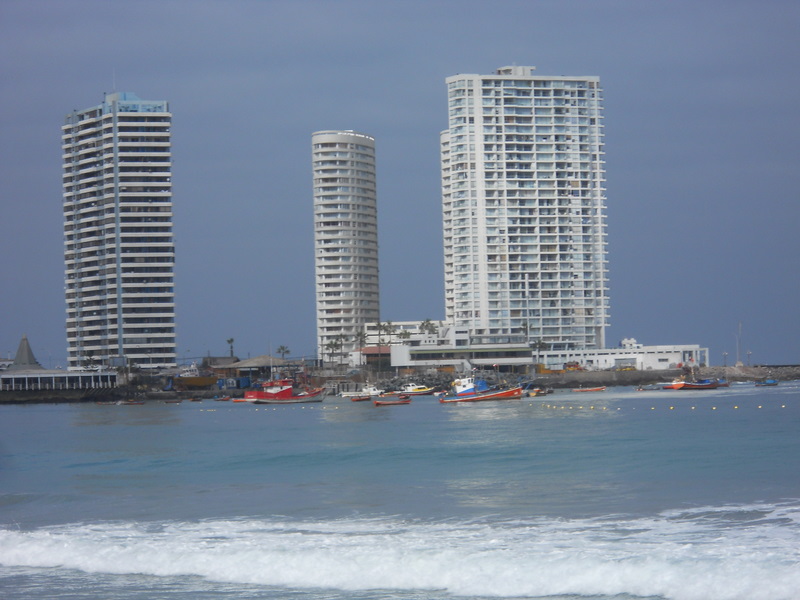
column 345, row 240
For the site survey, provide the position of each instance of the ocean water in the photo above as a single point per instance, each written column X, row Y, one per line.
column 616, row 495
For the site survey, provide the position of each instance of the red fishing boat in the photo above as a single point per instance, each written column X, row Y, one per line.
column 507, row 394
column 283, row 391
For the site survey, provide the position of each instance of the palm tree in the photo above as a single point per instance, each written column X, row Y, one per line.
column 360, row 340
column 390, row 329
column 229, row 341
column 340, row 341
column 331, row 348
column 283, row 351
column 427, row 326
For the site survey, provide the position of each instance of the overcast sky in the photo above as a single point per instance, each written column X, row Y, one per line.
column 702, row 123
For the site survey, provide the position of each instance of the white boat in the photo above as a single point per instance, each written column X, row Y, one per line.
column 413, row 389
column 368, row 390
column 468, row 386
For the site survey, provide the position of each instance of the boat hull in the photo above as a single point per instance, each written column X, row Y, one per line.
column 767, row 383
column 508, row 394
column 712, row 385
column 369, row 390
column 675, row 385
column 283, row 392
column 391, row 402
column 293, row 400
column 194, row 382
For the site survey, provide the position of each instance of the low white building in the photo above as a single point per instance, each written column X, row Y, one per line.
column 26, row 374
column 438, row 345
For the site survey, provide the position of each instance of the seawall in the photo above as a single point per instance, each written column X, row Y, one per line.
column 570, row 379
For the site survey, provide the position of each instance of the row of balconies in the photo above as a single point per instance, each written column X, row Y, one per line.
column 87, row 295
column 154, row 309
column 99, row 336
column 99, row 246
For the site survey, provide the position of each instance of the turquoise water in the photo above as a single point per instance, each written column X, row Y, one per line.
column 622, row 494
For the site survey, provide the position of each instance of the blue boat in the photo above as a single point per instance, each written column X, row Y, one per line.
column 766, row 382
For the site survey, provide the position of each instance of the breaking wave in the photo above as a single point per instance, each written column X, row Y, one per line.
column 727, row 553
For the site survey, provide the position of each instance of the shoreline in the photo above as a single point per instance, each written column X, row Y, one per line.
column 569, row 379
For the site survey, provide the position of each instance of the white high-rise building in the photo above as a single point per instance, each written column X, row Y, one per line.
column 119, row 252
column 345, row 240
column 524, row 208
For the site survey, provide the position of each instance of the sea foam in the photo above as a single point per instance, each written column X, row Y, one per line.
column 725, row 553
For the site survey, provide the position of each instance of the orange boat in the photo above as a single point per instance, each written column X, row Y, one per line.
column 360, row 398
column 675, row 385
column 601, row 388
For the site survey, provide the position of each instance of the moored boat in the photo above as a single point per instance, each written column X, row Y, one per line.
column 531, row 389
column 675, row 385
column 702, row 384
column 412, row 389
column 766, row 382
column 600, row 388
column 367, row 390
column 505, row 394
column 293, row 400
column 360, row 398
column 283, row 391
column 386, row 402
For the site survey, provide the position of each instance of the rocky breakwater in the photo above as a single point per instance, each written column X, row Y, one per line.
column 743, row 373
column 576, row 379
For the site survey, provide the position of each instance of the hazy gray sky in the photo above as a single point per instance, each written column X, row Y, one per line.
column 702, row 153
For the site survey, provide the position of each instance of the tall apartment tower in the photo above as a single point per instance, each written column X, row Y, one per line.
column 523, row 202
column 119, row 252
column 345, row 239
